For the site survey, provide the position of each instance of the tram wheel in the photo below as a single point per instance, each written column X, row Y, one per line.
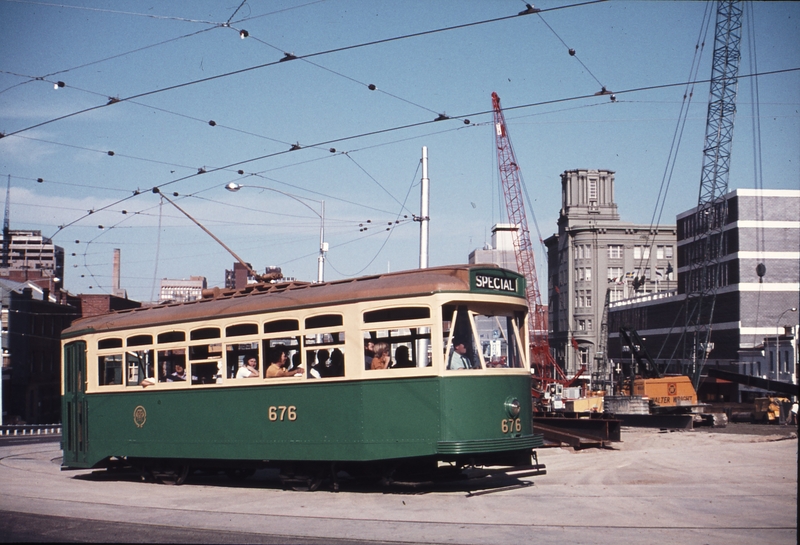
column 175, row 476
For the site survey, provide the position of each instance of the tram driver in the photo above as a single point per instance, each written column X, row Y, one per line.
column 458, row 355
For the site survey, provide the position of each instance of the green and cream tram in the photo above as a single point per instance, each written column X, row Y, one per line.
column 158, row 387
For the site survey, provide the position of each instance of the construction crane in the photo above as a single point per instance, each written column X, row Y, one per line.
column 546, row 369
column 704, row 276
column 602, row 374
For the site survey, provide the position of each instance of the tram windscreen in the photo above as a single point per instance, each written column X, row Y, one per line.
column 498, row 339
column 481, row 338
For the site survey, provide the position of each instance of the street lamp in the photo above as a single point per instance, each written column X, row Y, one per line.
column 323, row 246
column 777, row 336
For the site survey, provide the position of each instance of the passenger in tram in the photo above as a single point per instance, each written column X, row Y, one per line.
column 458, row 356
column 369, row 353
column 178, row 374
column 401, row 358
column 250, row 370
column 337, row 363
column 295, row 360
column 381, row 360
column 322, row 364
column 278, row 359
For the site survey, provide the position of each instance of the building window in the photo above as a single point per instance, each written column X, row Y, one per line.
column 588, row 275
column 641, row 252
column 615, row 274
column 664, row 252
column 615, row 251
column 582, row 251
column 583, row 298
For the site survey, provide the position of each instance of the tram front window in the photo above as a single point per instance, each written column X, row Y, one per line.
column 498, row 336
column 461, row 352
column 476, row 338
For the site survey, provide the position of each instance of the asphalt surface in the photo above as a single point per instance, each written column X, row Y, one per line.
column 736, row 485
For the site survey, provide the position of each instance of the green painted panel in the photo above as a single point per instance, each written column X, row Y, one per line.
column 475, row 409
column 358, row 421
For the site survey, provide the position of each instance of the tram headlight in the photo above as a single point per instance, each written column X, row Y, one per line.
column 512, row 407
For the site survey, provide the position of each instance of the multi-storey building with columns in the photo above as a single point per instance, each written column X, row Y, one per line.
column 595, row 254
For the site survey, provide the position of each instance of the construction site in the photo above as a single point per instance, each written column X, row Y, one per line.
column 706, row 370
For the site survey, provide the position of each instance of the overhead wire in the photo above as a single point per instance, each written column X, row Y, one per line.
column 390, row 229
column 32, row 79
column 289, row 150
column 571, row 52
column 293, row 57
column 419, row 124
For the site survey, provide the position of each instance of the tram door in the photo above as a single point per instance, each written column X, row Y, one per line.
column 73, row 413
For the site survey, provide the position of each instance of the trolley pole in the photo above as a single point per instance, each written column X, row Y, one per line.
column 424, row 219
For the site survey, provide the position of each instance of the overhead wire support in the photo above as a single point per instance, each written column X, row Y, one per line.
column 705, row 275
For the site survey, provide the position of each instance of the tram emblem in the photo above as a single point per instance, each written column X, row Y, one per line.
column 139, row 416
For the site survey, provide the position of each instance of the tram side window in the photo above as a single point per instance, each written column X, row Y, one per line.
column 460, row 349
column 405, row 347
column 140, row 367
column 206, row 372
column 110, row 370
column 288, row 344
column 237, row 356
column 172, row 365
column 325, row 354
column 499, row 340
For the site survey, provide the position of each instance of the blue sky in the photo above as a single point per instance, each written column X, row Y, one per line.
column 176, row 66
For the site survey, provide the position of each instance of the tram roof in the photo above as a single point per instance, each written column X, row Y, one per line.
column 265, row 297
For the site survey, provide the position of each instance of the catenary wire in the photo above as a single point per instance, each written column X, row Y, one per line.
column 292, row 57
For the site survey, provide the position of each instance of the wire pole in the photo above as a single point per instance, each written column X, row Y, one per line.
column 424, row 210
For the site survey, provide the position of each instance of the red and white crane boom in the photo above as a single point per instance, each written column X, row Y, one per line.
column 541, row 359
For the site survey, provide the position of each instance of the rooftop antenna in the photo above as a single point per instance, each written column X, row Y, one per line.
column 6, row 226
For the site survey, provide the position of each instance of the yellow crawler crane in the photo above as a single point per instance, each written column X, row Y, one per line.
column 667, row 391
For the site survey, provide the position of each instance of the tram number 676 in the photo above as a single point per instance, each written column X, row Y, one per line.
column 509, row 425
column 282, row 412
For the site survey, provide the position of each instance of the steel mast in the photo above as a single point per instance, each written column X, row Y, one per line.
column 705, row 275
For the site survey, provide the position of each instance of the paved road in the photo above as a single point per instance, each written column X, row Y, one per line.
column 681, row 487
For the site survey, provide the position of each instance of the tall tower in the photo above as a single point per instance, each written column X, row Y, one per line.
column 706, row 274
